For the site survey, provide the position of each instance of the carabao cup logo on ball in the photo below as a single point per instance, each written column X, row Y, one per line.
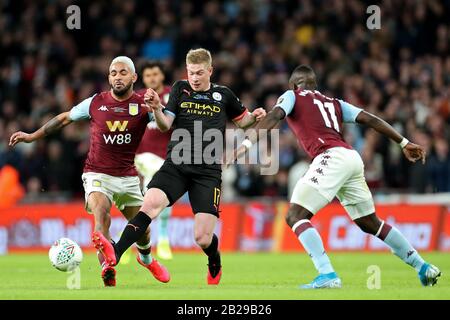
column 65, row 255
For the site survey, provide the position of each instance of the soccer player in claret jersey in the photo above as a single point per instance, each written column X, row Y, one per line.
column 152, row 151
column 195, row 103
column 118, row 119
column 336, row 170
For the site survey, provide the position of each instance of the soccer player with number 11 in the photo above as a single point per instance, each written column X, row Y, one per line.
column 336, row 170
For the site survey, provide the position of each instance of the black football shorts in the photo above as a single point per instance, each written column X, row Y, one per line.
column 203, row 185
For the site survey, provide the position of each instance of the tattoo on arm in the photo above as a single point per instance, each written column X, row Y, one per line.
column 53, row 125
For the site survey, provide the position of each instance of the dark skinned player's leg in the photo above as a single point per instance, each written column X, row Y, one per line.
column 399, row 245
column 362, row 211
column 355, row 196
column 298, row 218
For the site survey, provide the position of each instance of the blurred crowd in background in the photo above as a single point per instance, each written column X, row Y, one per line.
column 400, row 72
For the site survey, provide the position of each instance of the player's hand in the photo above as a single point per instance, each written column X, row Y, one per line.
column 151, row 99
column 414, row 152
column 19, row 136
column 259, row 114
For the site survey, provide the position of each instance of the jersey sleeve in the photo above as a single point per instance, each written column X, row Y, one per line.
column 171, row 107
column 286, row 102
column 349, row 111
column 235, row 109
column 81, row 110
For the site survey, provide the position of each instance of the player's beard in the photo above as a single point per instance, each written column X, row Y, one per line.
column 123, row 91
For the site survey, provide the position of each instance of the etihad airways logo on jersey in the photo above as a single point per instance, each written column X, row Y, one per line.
column 201, row 109
column 113, row 126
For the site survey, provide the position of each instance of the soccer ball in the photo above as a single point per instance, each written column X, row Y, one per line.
column 65, row 255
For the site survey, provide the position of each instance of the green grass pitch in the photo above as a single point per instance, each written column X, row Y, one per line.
column 245, row 276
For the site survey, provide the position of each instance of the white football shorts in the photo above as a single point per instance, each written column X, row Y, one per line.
column 336, row 172
column 122, row 191
column 147, row 164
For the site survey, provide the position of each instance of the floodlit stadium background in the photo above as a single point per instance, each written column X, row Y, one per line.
column 400, row 72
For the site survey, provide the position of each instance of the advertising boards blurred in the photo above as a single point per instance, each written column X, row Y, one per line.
column 247, row 227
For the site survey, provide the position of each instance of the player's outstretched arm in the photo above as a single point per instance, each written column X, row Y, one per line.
column 269, row 122
column 152, row 101
column 163, row 121
column 55, row 124
column 252, row 135
column 412, row 152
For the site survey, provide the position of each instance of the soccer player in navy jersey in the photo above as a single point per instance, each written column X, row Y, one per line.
column 195, row 105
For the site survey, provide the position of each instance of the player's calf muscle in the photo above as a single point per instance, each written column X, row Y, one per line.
column 102, row 220
column 100, row 206
column 145, row 239
column 203, row 239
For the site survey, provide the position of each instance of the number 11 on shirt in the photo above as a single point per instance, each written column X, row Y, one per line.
column 330, row 107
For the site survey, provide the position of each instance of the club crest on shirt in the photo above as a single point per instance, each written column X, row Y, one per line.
column 133, row 109
column 217, row 96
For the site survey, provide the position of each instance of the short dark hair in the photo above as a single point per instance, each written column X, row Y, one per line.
column 152, row 64
column 303, row 76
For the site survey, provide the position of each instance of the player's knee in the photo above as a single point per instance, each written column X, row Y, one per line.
column 366, row 228
column 297, row 213
column 292, row 217
column 203, row 240
column 369, row 224
column 152, row 205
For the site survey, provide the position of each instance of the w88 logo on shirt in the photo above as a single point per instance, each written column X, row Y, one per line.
column 120, row 138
